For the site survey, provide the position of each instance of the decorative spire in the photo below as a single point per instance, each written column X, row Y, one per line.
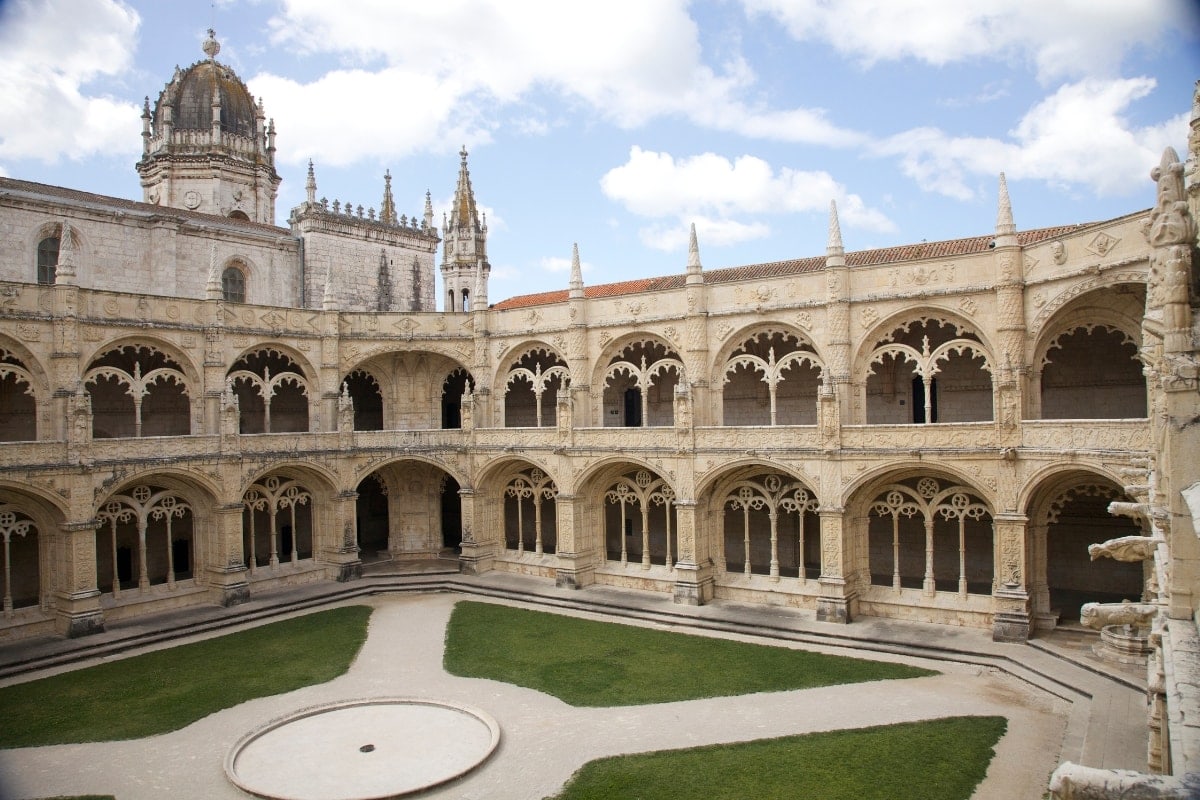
column 1004, row 215
column 479, row 299
column 310, row 185
column 464, row 213
column 387, row 209
column 213, row 291
column 384, row 299
column 64, row 273
column 146, row 125
column 835, row 252
column 834, row 245
column 329, row 301
column 428, row 210
column 693, row 264
column 211, row 46
column 464, row 251
column 576, row 285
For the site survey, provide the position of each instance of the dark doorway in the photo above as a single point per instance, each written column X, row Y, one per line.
column 451, row 515
column 633, row 408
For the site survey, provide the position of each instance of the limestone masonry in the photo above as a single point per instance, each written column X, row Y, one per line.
column 198, row 405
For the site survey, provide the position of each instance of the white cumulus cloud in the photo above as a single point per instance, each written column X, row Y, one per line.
column 420, row 75
column 727, row 199
column 1061, row 39
column 1078, row 136
column 50, row 52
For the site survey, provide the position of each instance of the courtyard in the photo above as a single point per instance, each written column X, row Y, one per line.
column 1055, row 711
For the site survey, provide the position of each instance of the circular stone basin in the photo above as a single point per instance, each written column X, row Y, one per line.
column 361, row 750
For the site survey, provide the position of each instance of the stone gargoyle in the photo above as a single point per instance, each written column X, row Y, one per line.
column 1124, row 548
column 1100, row 615
column 1077, row 782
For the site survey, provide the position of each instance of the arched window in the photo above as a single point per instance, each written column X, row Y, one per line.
column 233, row 285
column 466, row 300
column 47, row 259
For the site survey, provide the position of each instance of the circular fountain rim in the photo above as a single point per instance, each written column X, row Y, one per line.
column 230, row 762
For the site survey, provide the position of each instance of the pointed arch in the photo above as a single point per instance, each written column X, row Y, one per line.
column 531, row 386
column 926, row 369
column 639, row 381
column 770, row 376
column 273, row 391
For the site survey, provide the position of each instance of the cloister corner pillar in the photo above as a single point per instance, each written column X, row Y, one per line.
column 838, row 601
column 694, row 580
column 576, row 567
column 342, row 551
column 77, row 599
column 478, row 545
column 1012, row 619
column 227, row 572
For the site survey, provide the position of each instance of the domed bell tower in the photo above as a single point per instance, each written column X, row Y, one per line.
column 207, row 146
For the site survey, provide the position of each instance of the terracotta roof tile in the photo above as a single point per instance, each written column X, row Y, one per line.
column 778, row 269
column 13, row 185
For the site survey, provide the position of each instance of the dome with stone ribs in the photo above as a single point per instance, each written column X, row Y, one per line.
column 189, row 96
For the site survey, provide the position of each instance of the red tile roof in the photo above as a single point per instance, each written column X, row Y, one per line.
column 777, row 269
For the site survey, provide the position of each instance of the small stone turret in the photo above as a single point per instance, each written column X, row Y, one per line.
column 204, row 147
column 464, row 255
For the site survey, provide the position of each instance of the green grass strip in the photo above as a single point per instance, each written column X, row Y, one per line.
column 165, row 690
column 942, row 759
column 586, row 663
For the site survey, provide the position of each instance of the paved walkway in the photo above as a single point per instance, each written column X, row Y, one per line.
column 1059, row 706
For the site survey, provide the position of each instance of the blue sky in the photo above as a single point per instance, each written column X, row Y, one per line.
column 616, row 124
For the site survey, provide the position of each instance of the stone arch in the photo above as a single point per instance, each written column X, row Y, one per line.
column 1135, row 279
column 629, row 511
column 636, row 377
column 24, row 394
column 276, row 390
column 458, row 386
column 766, row 522
column 364, row 390
column 1067, row 509
column 156, row 529
column 139, row 389
column 530, row 385
column 923, row 528
column 287, row 517
column 770, row 374
column 929, row 365
column 29, row 520
column 412, row 385
column 525, row 495
column 420, row 515
column 1086, row 361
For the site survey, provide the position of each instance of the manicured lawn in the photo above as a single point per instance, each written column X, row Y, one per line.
column 586, row 663
column 937, row 760
column 168, row 689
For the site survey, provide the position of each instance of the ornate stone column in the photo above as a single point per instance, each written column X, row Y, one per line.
column 694, row 579
column 1012, row 620
column 478, row 536
column 838, row 601
column 77, row 599
column 576, row 561
column 227, row 569
column 341, row 544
